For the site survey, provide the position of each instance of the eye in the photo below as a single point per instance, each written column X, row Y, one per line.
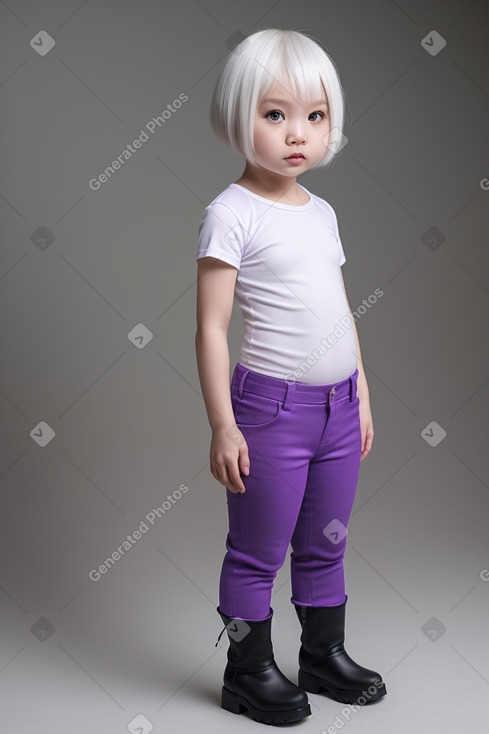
column 322, row 114
column 273, row 112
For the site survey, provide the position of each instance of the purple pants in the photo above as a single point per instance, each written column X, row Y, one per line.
column 304, row 445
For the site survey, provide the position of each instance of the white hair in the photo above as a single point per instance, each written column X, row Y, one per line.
column 256, row 64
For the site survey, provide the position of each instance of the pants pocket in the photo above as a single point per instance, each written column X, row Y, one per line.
column 255, row 411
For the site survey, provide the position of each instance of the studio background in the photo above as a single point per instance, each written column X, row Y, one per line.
column 102, row 418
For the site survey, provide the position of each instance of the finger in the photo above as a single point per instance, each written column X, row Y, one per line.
column 229, row 479
column 235, row 478
column 234, row 483
column 366, row 451
column 244, row 460
column 237, row 482
column 219, row 472
column 232, row 489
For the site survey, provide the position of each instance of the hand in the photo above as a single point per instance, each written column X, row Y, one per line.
column 366, row 425
column 229, row 456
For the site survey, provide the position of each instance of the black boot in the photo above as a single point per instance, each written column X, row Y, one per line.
column 252, row 680
column 325, row 666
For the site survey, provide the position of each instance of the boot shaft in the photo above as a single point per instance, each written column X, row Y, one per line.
column 323, row 630
column 250, row 644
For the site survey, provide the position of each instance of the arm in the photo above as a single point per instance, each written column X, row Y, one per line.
column 215, row 294
column 366, row 422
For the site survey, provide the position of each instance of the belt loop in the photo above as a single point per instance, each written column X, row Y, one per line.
column 289, row 395
column 242, row 382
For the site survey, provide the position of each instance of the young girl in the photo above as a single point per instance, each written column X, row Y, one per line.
column 291, row 427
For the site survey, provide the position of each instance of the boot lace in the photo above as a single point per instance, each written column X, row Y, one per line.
column 220, row 635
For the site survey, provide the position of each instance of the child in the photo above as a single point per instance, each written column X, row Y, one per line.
column 290, row 429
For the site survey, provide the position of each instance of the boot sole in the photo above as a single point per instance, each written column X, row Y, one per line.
column 237, row 705
column 311, row 684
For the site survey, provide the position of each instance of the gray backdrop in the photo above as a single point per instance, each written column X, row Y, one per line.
column 104, row 436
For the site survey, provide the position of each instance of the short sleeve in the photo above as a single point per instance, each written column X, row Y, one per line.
column 221, row 235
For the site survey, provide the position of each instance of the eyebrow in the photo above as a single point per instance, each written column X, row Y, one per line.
column 283, row 102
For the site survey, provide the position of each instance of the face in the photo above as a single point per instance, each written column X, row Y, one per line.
column 285, row 125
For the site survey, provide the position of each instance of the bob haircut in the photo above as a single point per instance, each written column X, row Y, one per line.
column 255, row 65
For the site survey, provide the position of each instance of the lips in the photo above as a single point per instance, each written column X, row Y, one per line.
column 298, row 156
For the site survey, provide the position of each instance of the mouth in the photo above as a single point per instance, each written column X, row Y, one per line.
column 296, row 156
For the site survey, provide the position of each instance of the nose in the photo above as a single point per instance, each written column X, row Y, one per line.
column 296, row 135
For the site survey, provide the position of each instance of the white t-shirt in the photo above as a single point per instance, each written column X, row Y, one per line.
column 297, row 322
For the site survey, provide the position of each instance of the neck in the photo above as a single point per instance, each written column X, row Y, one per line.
column 267, row 183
